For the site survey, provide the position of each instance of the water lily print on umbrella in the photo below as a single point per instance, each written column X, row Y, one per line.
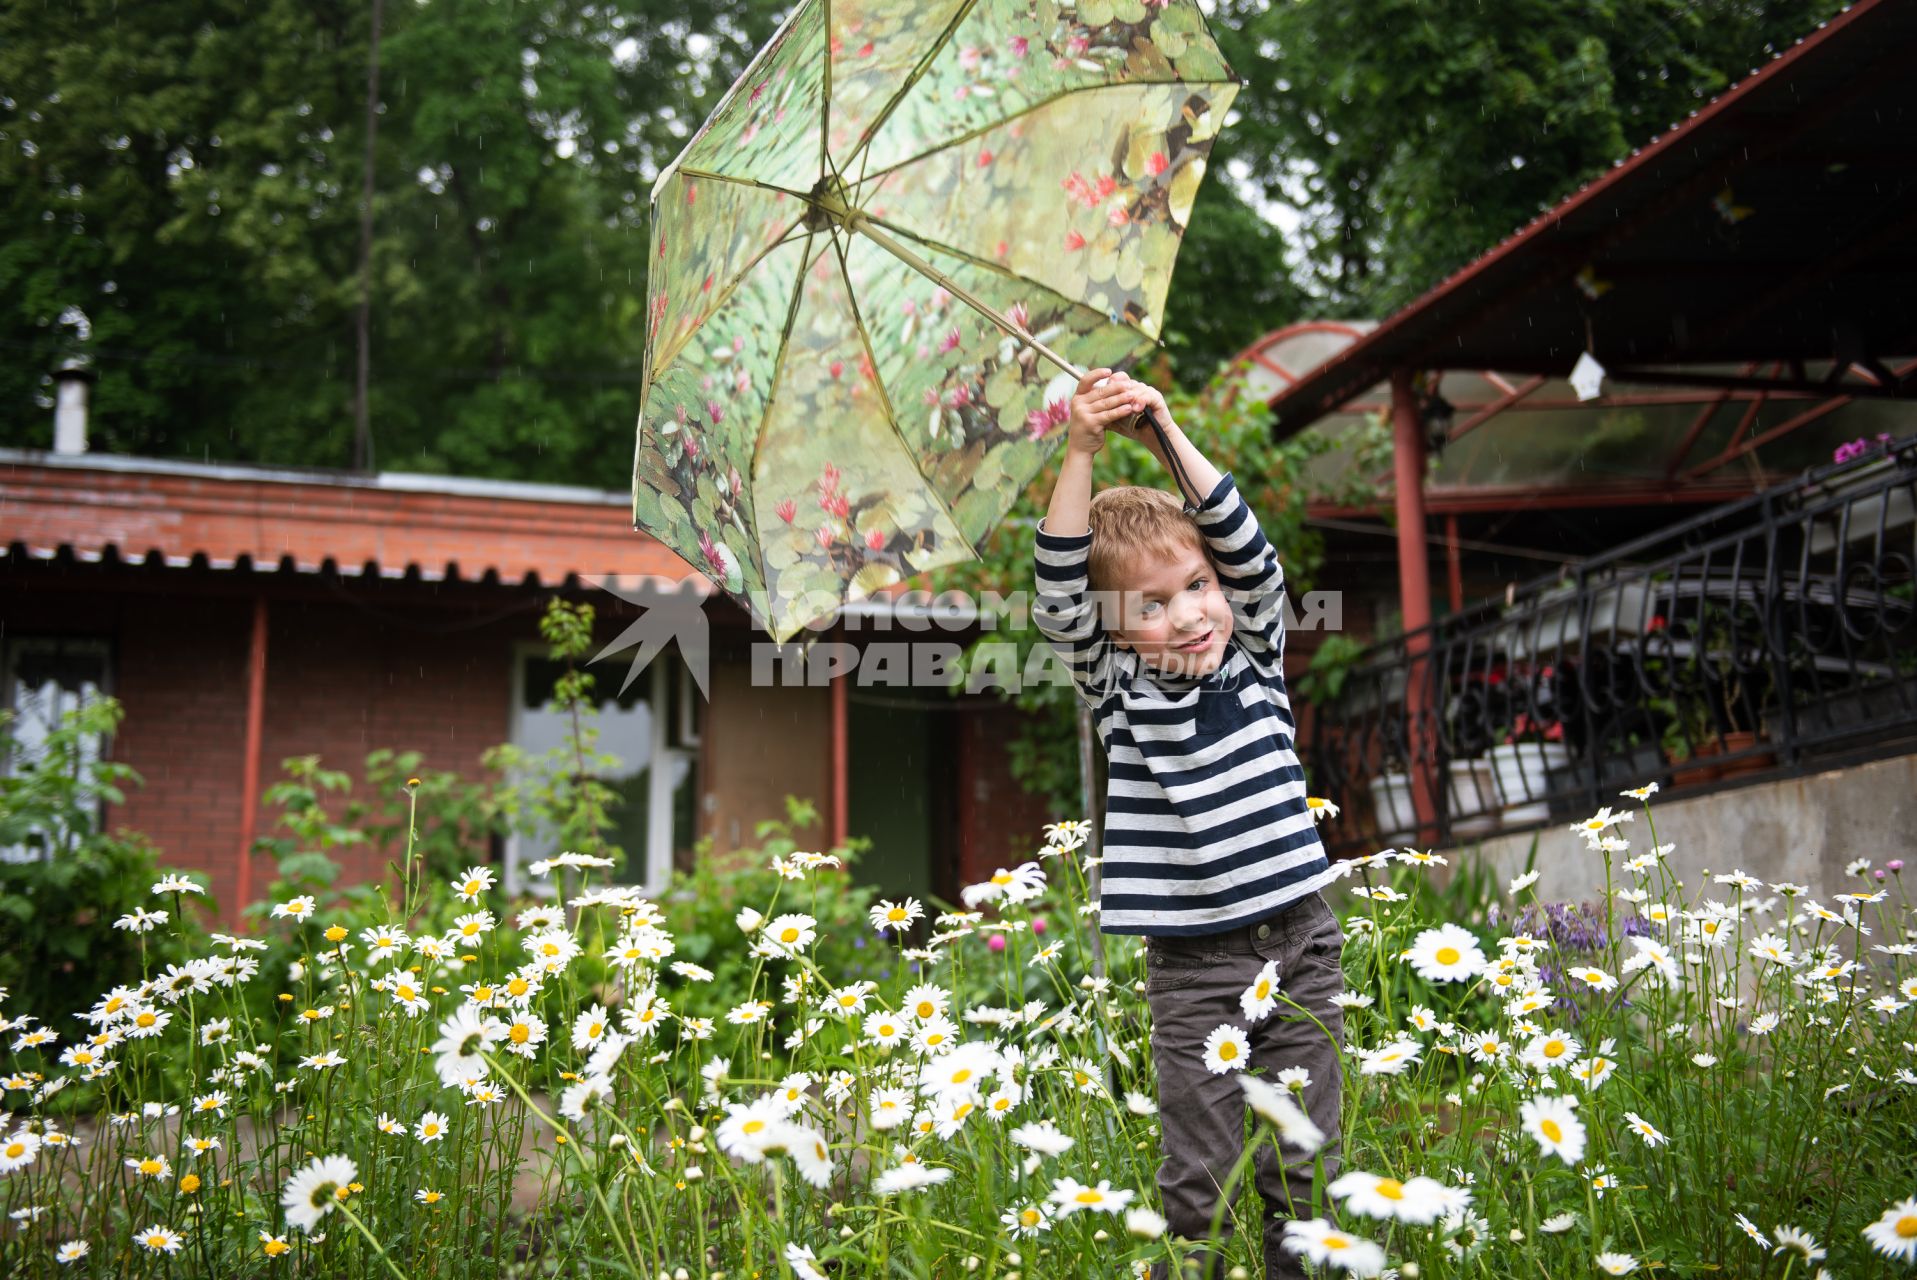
column 828, row 308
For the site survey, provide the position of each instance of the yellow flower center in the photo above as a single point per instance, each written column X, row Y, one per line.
column 472, row 886
column 961, row 1075
column 146, row 1019
column 1030, row 1217
column 926, row 1009
column 335, row 934
column 432, row 1197
column 517, row 987
column 1090, row 1195
column 405, row 992
column 1550, row 1129
column 1391, row 1188
column 190, row 1183
column 156, row 1241
column 1337, row 1242
column 885, row 1029
column 520, row 1033
column 15, row 1150
column 1555, row 1049
column 788, row 934
column 1002, row 877
column 150, row 1167
column 274, row 1248
column 1263, row 989
column 115, row 1005
column 1227, row 1051
column 432, row 1131
column 895, row 914
column 752, row 1126
column 1449, row 955
column 594, row 1031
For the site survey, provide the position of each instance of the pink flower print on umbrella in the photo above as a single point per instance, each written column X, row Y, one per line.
column 968, row 58
column 950, row 342
column 839, row 505
column 1018, row 315
column 984, row 159
column 1156, row 163
column 959, row 396
column 679, row 412
column 718, row 557
column 1117, row 217
column 1039, row 421
column 829, row 478
column 875, row 540
column 692, row 445
column 836, row 368
column 825, row 536
column 787, row 510
column 1074, row 241
column 1019, row 46
column 715, row 411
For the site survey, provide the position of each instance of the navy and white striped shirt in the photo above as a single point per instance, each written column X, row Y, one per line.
column 1206, row 824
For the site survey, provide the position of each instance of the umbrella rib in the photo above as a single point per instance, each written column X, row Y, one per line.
column 825, row 97
column 919, row 69
column 885, row 398
column 972, row 135
column 715, row 176
column 731, row 287
column 772, row 395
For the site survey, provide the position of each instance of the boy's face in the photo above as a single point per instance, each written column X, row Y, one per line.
column 1173, row 613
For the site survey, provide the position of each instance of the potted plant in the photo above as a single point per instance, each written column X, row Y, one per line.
column 1522, row 763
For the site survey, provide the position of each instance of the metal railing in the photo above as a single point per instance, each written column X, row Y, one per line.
column 1772, row 635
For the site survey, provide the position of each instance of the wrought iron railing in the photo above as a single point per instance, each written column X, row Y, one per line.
column 1771, row 635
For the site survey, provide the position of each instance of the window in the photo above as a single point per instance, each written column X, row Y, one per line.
column 45, row 677
column 651, row 729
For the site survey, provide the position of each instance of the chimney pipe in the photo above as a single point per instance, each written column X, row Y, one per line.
column 72, row 382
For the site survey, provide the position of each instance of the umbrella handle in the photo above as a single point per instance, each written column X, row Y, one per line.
column 1185, row 486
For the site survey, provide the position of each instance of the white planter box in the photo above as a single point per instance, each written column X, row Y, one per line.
column 1524, row 779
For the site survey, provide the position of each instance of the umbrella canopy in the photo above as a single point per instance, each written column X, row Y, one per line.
column 859, row 258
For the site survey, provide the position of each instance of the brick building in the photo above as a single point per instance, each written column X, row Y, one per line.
column 244, row 615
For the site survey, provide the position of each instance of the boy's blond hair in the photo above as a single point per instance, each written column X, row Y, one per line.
column 1129, row 521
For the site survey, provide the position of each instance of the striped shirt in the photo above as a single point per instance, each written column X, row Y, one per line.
column 1206, row 824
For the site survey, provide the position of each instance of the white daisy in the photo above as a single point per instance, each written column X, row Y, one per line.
column 316, row 1189
column 1227, row 1048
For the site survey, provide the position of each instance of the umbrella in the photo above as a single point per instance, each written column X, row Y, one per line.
column 875, row 264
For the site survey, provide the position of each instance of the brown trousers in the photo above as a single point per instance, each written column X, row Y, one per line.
column 1192, row 985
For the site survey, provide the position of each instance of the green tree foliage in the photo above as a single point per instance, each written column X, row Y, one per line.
column 1416, row 134
column 181, row 181
column 186, row 177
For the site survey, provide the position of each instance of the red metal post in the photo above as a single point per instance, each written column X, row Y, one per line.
column 250, row 764
column 840, row 804
column 1454, row 563
column 1414, row 594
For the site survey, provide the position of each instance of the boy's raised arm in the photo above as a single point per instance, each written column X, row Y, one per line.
column 1065, row 614
column 1248, row 568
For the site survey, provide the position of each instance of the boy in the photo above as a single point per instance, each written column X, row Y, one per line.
column 1169, row 620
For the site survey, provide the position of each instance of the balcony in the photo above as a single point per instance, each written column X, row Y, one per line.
column 1770, row 637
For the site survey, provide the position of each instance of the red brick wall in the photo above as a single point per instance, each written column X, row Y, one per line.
column 1000, row 823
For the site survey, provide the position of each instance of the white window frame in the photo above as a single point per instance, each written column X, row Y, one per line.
column 657, row 854
column 101, row 748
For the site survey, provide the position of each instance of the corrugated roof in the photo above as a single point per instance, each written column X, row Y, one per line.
column 1774, row 223
column 107, row 509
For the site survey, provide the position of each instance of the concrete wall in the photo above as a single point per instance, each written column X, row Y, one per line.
column 1799, row 830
